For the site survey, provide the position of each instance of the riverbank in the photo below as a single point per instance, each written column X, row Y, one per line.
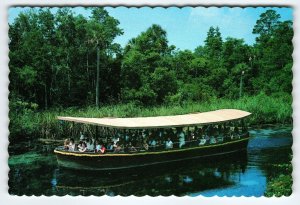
column 281, row 181
column 44, row 124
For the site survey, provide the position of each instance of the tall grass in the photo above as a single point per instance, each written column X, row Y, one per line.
column 265, row 109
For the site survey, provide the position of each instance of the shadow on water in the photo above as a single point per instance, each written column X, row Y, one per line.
column 177, row 178
column 243, row 173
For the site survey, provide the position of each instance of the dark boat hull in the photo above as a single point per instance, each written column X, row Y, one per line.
column 92, row 161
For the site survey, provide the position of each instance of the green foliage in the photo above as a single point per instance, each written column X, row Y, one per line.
column 22, row 122
column 163, row 83
column 281, row 182
column 267, row 22
column 264, row 109
column 53, row 61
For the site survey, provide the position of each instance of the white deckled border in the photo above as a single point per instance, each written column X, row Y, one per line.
column 5, row 198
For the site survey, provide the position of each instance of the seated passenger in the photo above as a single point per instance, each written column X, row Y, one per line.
column 79, row 146
column 153, row 142
column 66, row 144
column 212, row 140
column 169, row 144
column 145, row 145
column 103, row 149
column 207, row 138
column 110, row 147
column 118, row 148
column 83, row 147
column 202, row 141
column 139, row 145
column 90, row 145
column 131, row 148
column 82, row 137
column 100, row 147
column 71, row 145
column 220, row 138
column 159, row 144
column 116, row 138
column 181, row 139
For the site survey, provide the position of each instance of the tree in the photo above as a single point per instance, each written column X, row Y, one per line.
column 142, row 56
column 101, row 31
column 163, row 83
column 266, row 24
column 273, row 51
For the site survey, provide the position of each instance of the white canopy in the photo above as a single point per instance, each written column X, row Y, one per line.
column 192, row 119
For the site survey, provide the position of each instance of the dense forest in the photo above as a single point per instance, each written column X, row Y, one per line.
column 55, row 56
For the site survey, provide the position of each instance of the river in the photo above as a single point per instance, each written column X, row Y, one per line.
column 241, row 174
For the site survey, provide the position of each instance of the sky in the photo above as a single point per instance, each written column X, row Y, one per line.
column 186, row 27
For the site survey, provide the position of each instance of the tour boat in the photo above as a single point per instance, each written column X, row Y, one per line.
column 143, row 158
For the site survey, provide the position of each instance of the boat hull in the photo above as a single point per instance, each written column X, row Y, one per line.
column 103, row 162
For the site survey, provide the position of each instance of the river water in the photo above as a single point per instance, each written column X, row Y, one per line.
column 241, row 174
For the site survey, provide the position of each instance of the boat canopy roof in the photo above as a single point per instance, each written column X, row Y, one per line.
column 193, row 119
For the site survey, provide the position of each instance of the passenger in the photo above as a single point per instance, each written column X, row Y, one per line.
column 212, row 140
column 139, row 145
column 126, row 137
column 193, row 139
column 220, row 138
column 165, row 135
column 116, row 138
column 82, row 138
column 79, row 146
column 153, row 144
column 181, row 139
column 131, row 148
column 71, row 145
column 83, row 147
column 145, row 145
column 66, row 144
column 110, row 147
column 118, row 148
column 169, row 144
column 159, row 145
column 202, row 141
column 207, row 138
column 98, row 146
column 144, row 134
column 103, row 149
column 90, row 145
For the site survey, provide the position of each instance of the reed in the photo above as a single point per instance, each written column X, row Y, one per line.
column 265, row 110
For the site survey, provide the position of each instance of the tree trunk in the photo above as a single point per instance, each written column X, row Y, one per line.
column 46, row 98
column 97, row 79
column 87, row 69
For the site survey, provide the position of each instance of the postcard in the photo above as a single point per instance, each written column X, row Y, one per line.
column 122, row 101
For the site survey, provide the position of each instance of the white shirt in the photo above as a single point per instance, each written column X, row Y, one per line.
column 71, row 147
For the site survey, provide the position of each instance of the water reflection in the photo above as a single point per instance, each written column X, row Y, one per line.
column 179, row 179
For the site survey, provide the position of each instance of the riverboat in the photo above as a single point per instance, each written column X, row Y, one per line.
column 231, row 142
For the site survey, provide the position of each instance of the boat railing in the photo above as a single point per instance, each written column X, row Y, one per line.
column 176, row 145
